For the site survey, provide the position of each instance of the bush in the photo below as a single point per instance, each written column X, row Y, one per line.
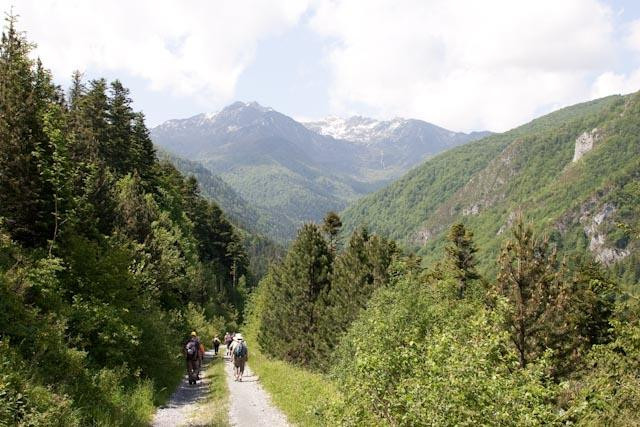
column 609, row 392
column 23, row 402
column 420, row 355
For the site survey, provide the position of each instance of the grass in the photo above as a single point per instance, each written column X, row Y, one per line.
column 302, row 395
column 214, row 412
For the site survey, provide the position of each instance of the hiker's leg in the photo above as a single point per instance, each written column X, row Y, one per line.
column 190, row 370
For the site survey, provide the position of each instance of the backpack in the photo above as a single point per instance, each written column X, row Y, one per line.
column 192, row 349
column 240, row 350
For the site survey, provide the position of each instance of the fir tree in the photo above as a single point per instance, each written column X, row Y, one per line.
column 144, row 153
column 529, row 280
column 358, row 271
column 461, row 258
column 118, row 147
column 25, row 91
column 331, row 226
column 290, row 327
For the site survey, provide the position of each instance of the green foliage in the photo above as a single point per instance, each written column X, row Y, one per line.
column 528, row 170
column 534, row 348
column 303, row 396
column 528, row 279
column 608, row 394
column 461, row 259
column 548, row 309
column 24, row 403
column 331, row 227
column 358, row 271
column 419, row 353
column 290, row 327
column 307, row 301
column 241, row 213
column 107, row 257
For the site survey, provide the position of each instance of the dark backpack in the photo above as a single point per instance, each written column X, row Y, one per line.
column 240, row 350
column 192, row 348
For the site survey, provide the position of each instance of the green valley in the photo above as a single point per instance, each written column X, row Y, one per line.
column 246, row 268
column 531, row 171
column 291, row 172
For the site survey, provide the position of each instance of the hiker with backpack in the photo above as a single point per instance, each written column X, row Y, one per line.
column 239, row 356
column 216, row 345
column 192, row 354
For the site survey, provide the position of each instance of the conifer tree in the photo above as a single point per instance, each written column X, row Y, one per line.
column 95, row 111
column 25, row 91
column 119, row 149
column 331, row 226
column 135, row 211
column 144, row 152
column 358, row 271
column 55, row 167
column 461, row 258
column 290, row 325
column 529, row 280
column 84, row 144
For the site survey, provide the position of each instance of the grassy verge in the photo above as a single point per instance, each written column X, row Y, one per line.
column 300, row 394
column 214, row 412
column 162, row 395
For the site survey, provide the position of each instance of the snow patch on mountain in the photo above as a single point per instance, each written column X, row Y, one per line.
column 357, row 128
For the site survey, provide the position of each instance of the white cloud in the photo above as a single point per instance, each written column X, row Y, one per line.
column 633, row 35
column 609, row 83
column 464, row 64
column 190, row 48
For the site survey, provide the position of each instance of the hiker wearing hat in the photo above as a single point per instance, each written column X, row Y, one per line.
column 192, row 354
column 239, row 356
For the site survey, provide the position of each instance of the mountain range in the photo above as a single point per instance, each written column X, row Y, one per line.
column 574, row 174
column 295, row 172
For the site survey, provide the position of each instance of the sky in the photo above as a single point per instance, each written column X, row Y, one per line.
column 464, row 65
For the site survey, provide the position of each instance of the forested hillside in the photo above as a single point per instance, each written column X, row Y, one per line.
column 521, row 310
column 108, row 257
column 572, row 173
column 240, row 212
column 382, row 340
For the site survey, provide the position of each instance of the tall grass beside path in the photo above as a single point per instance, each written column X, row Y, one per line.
column 302, row 395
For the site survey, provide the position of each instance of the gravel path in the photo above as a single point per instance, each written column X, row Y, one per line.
column 184, row 400
column 250, row 405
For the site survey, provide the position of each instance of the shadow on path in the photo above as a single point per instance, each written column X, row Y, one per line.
column 184, row 400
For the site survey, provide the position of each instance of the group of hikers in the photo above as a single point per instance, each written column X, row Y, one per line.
column 236, row 350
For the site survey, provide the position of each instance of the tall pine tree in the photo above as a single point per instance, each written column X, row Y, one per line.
column 461, row 260
column 25, row 92
column 358, row 271
column 291, row 323
column 529, row 280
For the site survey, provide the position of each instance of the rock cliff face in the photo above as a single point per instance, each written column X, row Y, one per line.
column 584, row 144
column 593, row 228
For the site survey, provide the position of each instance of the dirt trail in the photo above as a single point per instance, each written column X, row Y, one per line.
column 184, row 401
column 249, row 404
